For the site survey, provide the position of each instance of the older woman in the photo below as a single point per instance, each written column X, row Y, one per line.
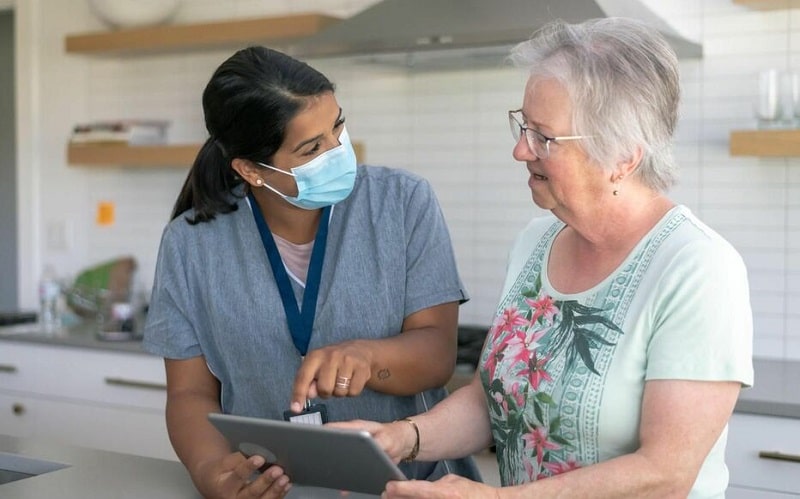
column 624, row 332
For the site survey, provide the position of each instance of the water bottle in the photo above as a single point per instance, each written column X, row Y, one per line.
column 49, row 289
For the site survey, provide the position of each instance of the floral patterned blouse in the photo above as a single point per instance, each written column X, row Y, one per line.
column 564, row 374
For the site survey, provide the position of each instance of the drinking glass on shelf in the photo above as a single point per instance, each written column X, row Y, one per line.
column 794, row 97
column 768, row 108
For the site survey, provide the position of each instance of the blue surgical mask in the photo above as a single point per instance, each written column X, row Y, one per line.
column 326, row 179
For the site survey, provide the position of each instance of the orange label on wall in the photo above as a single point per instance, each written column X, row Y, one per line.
column 105, row 213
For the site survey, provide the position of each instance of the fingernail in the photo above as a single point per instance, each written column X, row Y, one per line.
column 296, row 407
column 258, row 461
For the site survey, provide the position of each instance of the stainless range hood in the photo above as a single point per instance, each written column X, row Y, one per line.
column 396, row 26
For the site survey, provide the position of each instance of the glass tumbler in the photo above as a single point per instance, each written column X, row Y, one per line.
column 768, row 106
column 794, row 97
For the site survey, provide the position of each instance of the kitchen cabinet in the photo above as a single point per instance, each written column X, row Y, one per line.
column 781, row 143
column 755, row 476
column 99, row 399
column 201, row 36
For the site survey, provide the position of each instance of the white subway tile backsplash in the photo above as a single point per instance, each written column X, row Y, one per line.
column 745, row 218
column 721, row 194
column 764, row 259
column 771, row 346
column 747, row 44
column 768, row 303
column 792, row 349
column 768, row 325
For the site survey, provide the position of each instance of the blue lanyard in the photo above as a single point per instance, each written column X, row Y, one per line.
column 301, row 321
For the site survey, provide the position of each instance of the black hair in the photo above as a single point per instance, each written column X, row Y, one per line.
column 247, row 104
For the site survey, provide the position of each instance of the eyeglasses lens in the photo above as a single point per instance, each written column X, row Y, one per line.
column 538, row 148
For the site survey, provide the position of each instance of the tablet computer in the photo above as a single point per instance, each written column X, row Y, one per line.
column 310, row 454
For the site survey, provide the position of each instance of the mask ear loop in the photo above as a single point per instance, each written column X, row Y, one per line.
column 276, row 169
column 261, row 182
column 284, row 196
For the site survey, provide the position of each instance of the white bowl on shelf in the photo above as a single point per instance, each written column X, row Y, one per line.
column 134, row 13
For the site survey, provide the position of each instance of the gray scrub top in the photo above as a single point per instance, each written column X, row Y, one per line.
column 389, row 255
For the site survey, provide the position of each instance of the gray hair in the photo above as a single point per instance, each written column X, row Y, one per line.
column 622, row 78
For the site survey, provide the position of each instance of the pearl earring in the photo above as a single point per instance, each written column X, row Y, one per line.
column 259, row 181
column 619, row 179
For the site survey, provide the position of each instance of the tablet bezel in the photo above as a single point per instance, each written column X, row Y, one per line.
column 314, row 455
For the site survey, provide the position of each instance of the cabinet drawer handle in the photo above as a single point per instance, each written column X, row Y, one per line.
column 8, row 368
column 132, row 383
column 779, row 456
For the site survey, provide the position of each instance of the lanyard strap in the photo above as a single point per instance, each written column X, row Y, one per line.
column 300, row 321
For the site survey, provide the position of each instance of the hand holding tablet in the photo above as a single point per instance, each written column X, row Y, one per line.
column 312, row 455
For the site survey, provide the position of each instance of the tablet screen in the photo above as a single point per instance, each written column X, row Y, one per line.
column 313, row 455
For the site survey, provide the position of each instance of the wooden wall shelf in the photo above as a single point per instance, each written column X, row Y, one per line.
column 178, row 155
column 184, row 37
column 769, row 4
column 781, row 143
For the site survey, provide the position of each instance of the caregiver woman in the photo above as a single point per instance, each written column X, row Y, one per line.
column 288, row 274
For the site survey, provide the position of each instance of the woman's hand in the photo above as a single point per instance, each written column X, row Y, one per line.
column 396, row 439
column 448, row 487
column 340, row 370
column 235, row 476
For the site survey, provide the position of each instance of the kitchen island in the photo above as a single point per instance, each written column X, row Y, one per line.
column 69, row 472
column 88, row 473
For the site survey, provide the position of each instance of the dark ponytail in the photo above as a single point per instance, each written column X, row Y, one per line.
column 247, row 104
column 207, row 185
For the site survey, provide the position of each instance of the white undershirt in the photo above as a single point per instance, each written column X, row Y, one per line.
column 296, row 257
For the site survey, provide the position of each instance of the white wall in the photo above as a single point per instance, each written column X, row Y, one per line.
column 448, row 125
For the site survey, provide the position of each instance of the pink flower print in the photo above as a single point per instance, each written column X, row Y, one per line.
column 515, row 393
column 517, row 348
column 543, row 307
column 538, row 372
column 508, row 320
column 511, row 390
column 495, row 356
column 537, row 439
column 558, row 467
column 521, row 348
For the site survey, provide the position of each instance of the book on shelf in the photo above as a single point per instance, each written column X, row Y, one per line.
column 131, row 132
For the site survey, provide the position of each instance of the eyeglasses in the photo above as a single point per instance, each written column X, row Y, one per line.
column 538, row 143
